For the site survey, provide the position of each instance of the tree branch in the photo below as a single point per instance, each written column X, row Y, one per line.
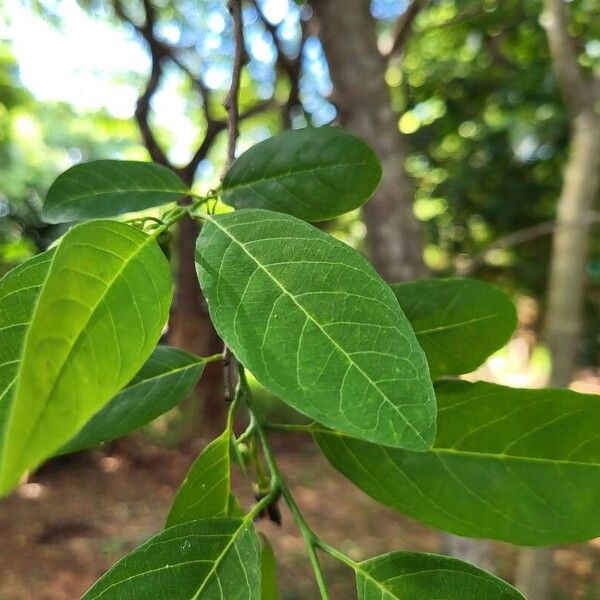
column 403, row 27
column 576, row 89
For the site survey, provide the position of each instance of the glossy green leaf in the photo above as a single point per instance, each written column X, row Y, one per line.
column 206, row 491
column 100, row 311
column 166, row 379
column 516, row 465
column 107, row 188
column 316, row 325
column 313, row 174
column 212, row 559
column 268, row 568
column 458, row 322
column 419, row 576
column 19, row 291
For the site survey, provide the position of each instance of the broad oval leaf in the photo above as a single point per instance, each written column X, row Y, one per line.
column 206, row 491
column 420, row 576
column 107, row 188
column 314, row 174
column 19, row 291
column 521, row 466
column 162, row 383
column 212, row 559
column 316, row 325
column 458, row 322
column 100, row 311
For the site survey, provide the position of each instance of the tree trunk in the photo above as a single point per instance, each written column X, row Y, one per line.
column 566, row 287
column 357, row 69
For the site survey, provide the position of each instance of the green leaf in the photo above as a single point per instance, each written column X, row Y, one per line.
column 166, row 379
column 205, row 493
column 19, row 291
column 268, row 568
column 521, row 466
column 316, row 325
column 100, row 311
column 107, row 188
column 314, row 174
column 419, row 576
column 458, row 322
column 212, row 559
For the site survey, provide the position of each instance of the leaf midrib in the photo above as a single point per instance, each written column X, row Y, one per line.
column 318, row 325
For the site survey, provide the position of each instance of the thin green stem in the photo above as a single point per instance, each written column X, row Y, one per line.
column 278, row 483
column 288, row 427
column 212, row 358
column 336, row 554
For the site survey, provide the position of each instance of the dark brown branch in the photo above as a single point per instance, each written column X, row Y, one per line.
column 523, row 236
column 577, row 90
column 403, row 27
column 231, row 100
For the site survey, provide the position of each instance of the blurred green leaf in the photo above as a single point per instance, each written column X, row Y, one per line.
column 459, row 322
column 268, row 568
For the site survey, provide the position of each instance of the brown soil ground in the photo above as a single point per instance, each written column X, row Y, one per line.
column 77, row 516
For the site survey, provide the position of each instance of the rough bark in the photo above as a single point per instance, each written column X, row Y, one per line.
column 566, row 287
column 361, row 95
column 357, row 69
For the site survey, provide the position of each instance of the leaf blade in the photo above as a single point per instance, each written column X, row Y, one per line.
column 165, row 380
column 297, row 310
column 107, row 188
column 212, row 559
column 313, row 174
column 459, row 322
column 502, row 467
column 86, row 306
column 403, row 575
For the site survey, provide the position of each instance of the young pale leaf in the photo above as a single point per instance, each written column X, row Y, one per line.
column 313, row 174
column 268, row 568
column 416, row 576
column 458, row 322
column 165, row 380
column 206, row 491
column 98, row 316
column 521, row 466
column 107, row 188
column 19, row 291
column 317, row 326
column 212, row 559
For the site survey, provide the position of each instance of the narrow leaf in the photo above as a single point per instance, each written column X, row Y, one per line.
column 268, row 568
column 213, row 559
column 107, row 188
column 163, row 382
column 458, row 322
column 419, row 576
column 316, row 325
column 100, row 311
column 313, row 174
column 206, row 490
column 521, row 466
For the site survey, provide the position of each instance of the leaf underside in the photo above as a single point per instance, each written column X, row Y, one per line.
column 314, row 323
column 521, row 466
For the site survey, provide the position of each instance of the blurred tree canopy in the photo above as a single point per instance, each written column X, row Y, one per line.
column 473, row 85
